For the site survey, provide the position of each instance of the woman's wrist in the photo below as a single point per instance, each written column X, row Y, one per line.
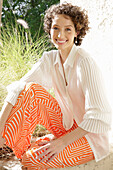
column 73, row 136
column 4, row 114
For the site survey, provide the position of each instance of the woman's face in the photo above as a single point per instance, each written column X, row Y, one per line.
column 62, row 32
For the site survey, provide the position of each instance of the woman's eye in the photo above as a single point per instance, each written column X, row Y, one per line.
column 68, row 29
column 55, row 28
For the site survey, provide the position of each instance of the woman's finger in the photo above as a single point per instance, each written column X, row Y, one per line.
column 43, row 143
column 42, row 148
column 51, row 158
column 44, row 154
column 2, row 142
column 47, row 157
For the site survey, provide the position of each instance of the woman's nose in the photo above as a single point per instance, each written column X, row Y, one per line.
column 61, row 34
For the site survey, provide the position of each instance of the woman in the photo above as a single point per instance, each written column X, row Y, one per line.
column 79, row 118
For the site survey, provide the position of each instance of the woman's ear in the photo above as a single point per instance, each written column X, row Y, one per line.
column 75, row 35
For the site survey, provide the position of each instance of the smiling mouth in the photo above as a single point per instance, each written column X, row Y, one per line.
column 61, row 42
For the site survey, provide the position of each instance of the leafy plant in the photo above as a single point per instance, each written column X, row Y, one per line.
column 30, row 10
column 18, row 53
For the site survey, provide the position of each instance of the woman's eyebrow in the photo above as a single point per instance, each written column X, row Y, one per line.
column 55, row 25
column 68, row 26
column 64, row 26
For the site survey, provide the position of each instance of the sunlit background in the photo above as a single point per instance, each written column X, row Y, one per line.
column 99, row 41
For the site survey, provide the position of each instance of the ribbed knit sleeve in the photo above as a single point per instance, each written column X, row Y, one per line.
column 38, row 74
column 97, row 117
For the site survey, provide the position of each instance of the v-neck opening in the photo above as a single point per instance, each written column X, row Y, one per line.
column 64, row 75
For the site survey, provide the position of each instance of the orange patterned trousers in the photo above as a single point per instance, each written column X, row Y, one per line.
column 36, row 106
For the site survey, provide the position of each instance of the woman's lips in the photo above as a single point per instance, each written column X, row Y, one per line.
column 61, row 41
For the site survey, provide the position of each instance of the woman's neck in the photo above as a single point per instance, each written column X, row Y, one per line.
column 64, row 54
column 63, row 57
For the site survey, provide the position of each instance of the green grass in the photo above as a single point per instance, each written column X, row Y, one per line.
column 17, row 55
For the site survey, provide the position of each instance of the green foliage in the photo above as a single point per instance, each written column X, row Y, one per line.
column 39, row 131
column 31, row 11
column 17, row 55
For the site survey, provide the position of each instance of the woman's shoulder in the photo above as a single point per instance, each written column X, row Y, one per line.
column 83, row 54
column 50, row 55
column 85, row 58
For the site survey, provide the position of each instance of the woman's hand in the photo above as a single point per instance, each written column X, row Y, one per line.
column 2, row 141
column 50, row 149
column 5, row 112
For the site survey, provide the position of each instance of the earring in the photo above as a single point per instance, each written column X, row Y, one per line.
column 75, row 40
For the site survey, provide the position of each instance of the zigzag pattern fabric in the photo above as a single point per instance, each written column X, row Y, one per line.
column 37, row 106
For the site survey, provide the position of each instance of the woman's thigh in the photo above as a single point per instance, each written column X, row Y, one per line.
column 34, row 106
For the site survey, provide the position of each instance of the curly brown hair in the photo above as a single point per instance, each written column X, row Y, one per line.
column 79, row 18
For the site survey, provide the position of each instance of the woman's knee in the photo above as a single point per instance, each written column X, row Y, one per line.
column 32, row 90
column 30, row 86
